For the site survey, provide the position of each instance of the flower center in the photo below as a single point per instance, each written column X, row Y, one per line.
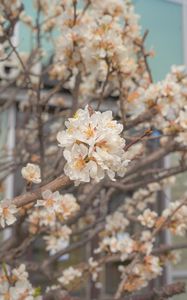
column 89, row 132
column 49, row 202
column 79, row 164
column 103, row 145
column 5, row 211
column 33, row 175
column 7, row 296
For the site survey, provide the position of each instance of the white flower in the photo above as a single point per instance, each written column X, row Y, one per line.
column 21, row 290
column 50, row 201
column 67, row 206
column 154, row 187
column 93, row 146
column 46, row 218
column 140, row 194
column 94, row 268
column 16, row 286
column 7, row 213
column 58, row 240
column 183, row 119
column 77, row 168
column 52, row 287
column 31, row 173
column 69, row 275
column 20, row 273
column 4, row 290
column 126, row 246
column 148, row 218
column 146, row 247
column 174, row 257
column 61, row 205
column 116, row 223
column 146, row 236
column 108, row 244
column 41, row 217
column 177, row 223
column 141, row 205
column 152, row 264
column 170, row 88
column 182, row 138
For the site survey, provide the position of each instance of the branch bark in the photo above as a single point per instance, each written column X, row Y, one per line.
column 58, row 183
column 165, row 292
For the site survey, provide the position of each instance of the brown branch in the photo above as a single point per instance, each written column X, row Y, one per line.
column 145, row 55
column 101, row 99
column 136, row 140
column 69, row 249
column 167, row 248
column 9, row 256
column 155, row 156
column 26, row 73
column 58, row 183
column 75, row 94
column 142, row 183
column 165, row 292
column 143, row 117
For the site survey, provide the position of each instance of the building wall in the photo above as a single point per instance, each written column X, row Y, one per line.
column 164, row 21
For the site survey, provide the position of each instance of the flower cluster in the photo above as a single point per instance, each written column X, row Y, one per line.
column 177, row 214
column 96, row 43
column 142, row 273
column 94, row 268
column 7, row 213
column 15, row 285
column 146, row 242
column 93, row 146
column 143, row 197
column 64, row 206
column 148, row 218
column 58, row 239
column 123, row 245
column 69, row 275
column 49, row 213
column 168, row 99
column 116, row 223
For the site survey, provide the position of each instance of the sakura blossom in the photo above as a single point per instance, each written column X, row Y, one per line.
column 94, row 268
column 91, row 151
column 31, row 173
column 142, row 273
column 63, row 206
column 69, row 275
column 50, row 200
column 7, row 213
column 148, row 218
column 58, row 240
column 116, row 223
column 178, row 224
column 15, row 284
column 67, row 206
